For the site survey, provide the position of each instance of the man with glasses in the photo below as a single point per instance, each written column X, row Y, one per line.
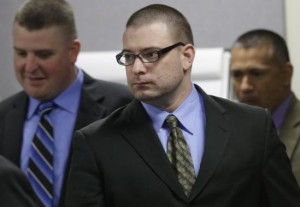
column 174, row 145
column 149, row 56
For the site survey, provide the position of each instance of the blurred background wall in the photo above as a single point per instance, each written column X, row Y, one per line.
column 215, row 23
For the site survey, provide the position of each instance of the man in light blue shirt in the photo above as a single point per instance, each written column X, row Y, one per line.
column 63, row 119
column 45, row 51
column 174, row 145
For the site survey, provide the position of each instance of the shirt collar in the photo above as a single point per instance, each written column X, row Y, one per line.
column 279, row 114
column 183, row 113
column 63, row 99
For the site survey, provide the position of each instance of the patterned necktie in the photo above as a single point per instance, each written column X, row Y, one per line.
column 40, row 166
column 179, row 155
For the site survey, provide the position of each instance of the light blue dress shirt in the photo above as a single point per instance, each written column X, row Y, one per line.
column 63, row 118
column 191, row 115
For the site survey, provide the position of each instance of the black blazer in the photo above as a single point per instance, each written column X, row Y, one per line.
column 14, row 187
column 119, row 161
column 98, row 99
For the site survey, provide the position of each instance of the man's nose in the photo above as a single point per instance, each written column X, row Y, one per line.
column 31, row 63
column 246, row 84
column 138, row 66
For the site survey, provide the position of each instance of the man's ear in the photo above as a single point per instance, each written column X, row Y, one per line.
column 188, row 54
column 288, row 73
column 74, row 50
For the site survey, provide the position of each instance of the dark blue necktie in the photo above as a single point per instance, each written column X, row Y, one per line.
column 40, row 166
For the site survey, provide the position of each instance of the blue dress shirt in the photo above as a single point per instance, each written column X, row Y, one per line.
column 63, row 118
column 191, row 115
column 279, row 114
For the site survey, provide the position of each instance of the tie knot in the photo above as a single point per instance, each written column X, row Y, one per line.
column 172, row 121
column 45, row 108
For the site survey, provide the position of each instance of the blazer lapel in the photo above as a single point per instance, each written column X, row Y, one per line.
column 140, row 134
column 217, row 135
column 89, row 110
column 290, row 131
column 13, row 130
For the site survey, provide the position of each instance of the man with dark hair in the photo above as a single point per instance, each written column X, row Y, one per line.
column 175, row 146
column 261, row 74
column 37, row 124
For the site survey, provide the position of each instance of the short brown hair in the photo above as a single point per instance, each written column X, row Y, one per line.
column 39, row 14
column 163, row 13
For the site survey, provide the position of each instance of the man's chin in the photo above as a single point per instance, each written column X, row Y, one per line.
column 146, row 98
column 37, row 94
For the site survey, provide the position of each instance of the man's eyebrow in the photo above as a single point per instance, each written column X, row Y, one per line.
column 144, row 49
column 125, row 50
column 16, row 48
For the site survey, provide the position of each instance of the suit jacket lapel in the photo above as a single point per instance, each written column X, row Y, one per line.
column 13, row 130
column 89, row 109
column 140, row 134
column 217, row 135
column 290, row 131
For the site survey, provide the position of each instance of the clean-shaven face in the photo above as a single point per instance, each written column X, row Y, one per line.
column 161, row 83
column 44, row 61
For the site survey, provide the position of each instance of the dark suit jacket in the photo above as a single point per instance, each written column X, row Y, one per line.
column 119, row 162
column 14, row 186
column 98, row 99
column 290, row 135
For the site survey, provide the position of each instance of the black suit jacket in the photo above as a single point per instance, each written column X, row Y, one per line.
column 119, row 162
column 98, row 99
column 14, row 187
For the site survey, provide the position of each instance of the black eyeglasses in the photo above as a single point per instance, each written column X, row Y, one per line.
column 148, row 56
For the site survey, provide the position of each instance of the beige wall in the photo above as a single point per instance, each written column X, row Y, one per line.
column 292, row 11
